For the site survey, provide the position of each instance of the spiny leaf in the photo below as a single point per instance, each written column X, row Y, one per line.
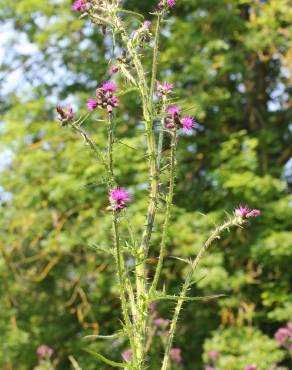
column 177, row 298
column 130, row 12
column 107, row 337
column 107, row 361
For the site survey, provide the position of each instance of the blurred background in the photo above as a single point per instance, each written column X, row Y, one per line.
column 231, row 64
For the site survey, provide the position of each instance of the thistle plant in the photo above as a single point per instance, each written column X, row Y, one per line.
column 139, row 290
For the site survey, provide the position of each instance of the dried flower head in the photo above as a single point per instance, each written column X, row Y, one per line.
column 65, row 116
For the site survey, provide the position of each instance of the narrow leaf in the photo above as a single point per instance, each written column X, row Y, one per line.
column 107, row 361
column 177, row 298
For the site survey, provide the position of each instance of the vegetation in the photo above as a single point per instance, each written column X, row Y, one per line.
column 229, row 62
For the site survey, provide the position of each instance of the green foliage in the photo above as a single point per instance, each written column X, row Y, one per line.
column 239, row 347
column 229, row 61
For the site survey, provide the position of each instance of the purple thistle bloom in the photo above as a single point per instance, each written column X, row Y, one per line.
column 174, row 109
column 163, row 88
column 114, row 70
column 147, row 24
column 209, row 368
column 109, row 86
column 171, row 3
column 161, row 322
column 187, row 123
column 245, row 212
column 175, row 355
column 77, row 5
column 119, row 197
column 127, row 355
column 251, row 367
column 213, row 355
column 44, row 351
column 284, row 336
column 91, row 104
column 241, row 211
column 253, row 213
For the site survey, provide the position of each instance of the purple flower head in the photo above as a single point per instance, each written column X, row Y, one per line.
column 245, row 212
column 77, row 5
column 44, row 351
column 114, row 70
column 175, row 355
column 251, row 367
column 209, row 368
column 127, row 355
column 161, row 322
column 253, row 213
column 241, row 211
column 173, row 110
column 80, row 5
column 213, row 355
column 171, row 3
column 284, row 336
column 91, row 104
column 147, row 24
column 187, row 123
column 69, row 113
column 163, row 88
column 119, row 197
column 109, row 86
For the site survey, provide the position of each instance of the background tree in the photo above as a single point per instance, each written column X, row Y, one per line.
column 230, row 61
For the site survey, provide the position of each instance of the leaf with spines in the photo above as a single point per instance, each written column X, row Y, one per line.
column 100, row 357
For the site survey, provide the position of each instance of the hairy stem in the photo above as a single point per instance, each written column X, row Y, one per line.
column 122, row 275
column 167, row 212
column 215, row 235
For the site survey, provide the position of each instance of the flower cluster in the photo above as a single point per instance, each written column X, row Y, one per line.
column 173, row 119
column 175, row 355
column 251, row 367
column 163, row 88
column 127, row 355
column 64, row 116
column 284, row 336
column 44, row 351
column 166, row 4
column 105, row 98
column 119, row 198
column 213, row 357
column 245, row 212
column 81, row 5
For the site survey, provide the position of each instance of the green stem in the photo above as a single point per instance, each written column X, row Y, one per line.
column 215, row 235
column 118, row 253
column 154, row 61
column 167, row 212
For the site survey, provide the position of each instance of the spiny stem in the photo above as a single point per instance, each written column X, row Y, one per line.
column 167, row 212
column 118, row 253
column 154, row 62
column 215, row 235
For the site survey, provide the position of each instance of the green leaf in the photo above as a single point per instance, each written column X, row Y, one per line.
column 106, row 360
column 177, row 298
